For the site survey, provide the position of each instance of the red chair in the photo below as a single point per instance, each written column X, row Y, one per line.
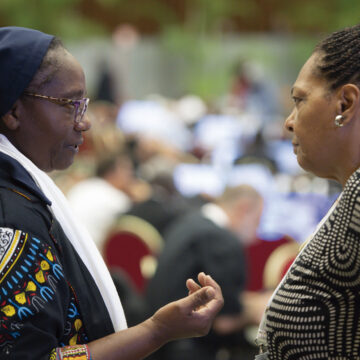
column 279, row 263
column 133, row 244
column 268, row 261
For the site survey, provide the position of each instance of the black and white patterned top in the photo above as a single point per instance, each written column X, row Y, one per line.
column 315, row 313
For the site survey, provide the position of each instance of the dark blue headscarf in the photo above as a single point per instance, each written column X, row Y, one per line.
column 21, row 53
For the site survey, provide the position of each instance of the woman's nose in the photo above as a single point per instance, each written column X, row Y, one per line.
column 84, row 124
column 289, row 122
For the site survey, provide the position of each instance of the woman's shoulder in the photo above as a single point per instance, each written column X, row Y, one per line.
column 353, row 183
column 21, row 210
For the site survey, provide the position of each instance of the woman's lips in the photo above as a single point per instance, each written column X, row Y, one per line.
column 74, row 148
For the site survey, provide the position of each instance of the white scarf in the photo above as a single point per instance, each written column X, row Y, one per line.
column 76, row 233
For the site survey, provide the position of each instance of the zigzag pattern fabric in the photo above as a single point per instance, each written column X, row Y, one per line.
column 315, row 314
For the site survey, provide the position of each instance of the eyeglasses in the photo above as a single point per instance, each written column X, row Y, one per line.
column 79, row 105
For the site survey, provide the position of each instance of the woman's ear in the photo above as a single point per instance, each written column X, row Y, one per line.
column 349, row 102
column 11, row 118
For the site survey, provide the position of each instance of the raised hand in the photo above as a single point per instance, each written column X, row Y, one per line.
column 193, row 315
column 190, row 316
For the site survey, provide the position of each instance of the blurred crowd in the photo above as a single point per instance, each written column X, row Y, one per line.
column 190, row 149
column 161, row 159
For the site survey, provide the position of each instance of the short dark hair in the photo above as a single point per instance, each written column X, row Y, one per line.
column 48, row 66
column 340, row 57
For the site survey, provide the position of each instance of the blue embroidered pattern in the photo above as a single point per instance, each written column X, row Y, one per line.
column 29, row 277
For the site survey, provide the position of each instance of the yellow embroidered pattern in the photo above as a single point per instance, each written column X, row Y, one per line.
column 77, row 352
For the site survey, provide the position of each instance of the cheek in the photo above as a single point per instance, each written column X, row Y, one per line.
column 306, row 129
column 55, row 145
column 58, row 141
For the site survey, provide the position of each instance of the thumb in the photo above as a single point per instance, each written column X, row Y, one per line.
column 200, row 297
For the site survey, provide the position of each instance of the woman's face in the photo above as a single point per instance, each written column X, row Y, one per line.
column 47, row 133
column 311, row 123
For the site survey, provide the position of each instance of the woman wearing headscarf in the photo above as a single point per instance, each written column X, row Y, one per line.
column 57, row 299
column 314, row 313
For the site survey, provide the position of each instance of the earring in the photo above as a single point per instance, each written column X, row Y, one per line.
column 339, row 120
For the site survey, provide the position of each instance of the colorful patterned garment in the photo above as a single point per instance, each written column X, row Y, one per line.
column 315, row 314
column 79, row 352
column 49, row 305
column 32, row 282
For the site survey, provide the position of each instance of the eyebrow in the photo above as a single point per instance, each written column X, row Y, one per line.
column 77, row 94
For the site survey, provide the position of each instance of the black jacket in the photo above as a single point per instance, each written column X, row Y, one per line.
column 48, row 299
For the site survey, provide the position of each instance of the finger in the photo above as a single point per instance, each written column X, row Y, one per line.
column 199, row 298
column 192, row 286
column 201, row 278
column 207, row 280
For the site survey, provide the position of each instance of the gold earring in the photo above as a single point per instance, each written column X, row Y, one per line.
column 339, row 120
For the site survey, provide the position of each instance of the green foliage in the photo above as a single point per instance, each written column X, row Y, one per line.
column 194, row 34
column 212, row 16
column 202, row 74
column 347, row 13
column 197, row 40
column 60, row 17
column 309, row 16
column 111, row 3
column 135, row 10
column 205, row 16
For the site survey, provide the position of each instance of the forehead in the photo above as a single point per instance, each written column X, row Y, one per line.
column 69, row 79
column 308, row 79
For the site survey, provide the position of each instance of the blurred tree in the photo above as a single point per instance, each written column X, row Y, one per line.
column 148, row 16
column 311, row 16
column 87, row 17
column 190, row 31
column 61, row 17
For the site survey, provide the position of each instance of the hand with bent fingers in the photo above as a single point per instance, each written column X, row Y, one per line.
column 190, row 316
column 193, row 315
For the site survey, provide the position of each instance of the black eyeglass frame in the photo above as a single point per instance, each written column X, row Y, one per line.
column 64, row 101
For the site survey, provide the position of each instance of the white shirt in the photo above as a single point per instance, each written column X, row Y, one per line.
column 216, row 214
column 96, row 204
